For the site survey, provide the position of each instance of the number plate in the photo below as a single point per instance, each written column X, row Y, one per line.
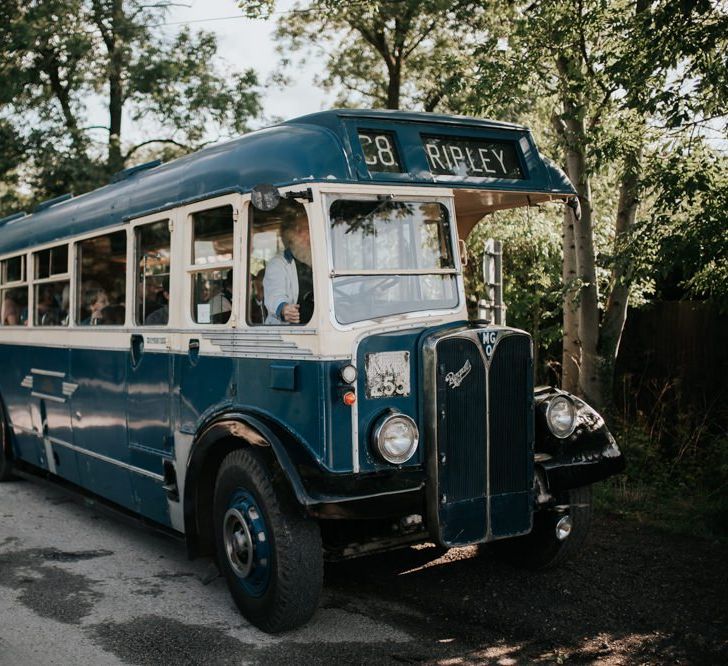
column 388, row 375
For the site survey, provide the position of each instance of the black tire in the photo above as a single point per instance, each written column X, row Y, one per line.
column 275, row 579
column 6, row 463
column 541, row 549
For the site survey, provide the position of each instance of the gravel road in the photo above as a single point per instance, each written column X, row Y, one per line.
column 80, row 587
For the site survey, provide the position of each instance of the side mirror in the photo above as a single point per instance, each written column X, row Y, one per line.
column 265, row 197
column 575, row 206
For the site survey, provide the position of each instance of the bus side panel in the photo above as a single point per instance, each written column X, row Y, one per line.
column 50, row 408
column 149, row 428
column 15, row 364
column 288, row 391
column 99, row 424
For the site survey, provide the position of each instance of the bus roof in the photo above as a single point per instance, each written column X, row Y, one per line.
column 322, row 147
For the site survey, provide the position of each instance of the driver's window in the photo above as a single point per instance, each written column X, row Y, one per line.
column 280, row 277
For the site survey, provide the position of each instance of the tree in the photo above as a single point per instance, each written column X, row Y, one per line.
column 621, row 75
column 392, row 54
column 60, row 54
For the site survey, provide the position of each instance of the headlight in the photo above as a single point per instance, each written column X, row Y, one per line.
column 348, row 374
column 395, row 438
column 561, row 416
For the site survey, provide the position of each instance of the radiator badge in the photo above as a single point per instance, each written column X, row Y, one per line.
column 489, row 339
column 454, row 379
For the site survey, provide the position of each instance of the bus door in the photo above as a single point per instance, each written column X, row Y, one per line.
column 149, row 368
column 99, row 368
column 212, row 285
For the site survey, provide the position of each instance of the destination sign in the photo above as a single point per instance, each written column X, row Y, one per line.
column 380, row 151
column 448, row 156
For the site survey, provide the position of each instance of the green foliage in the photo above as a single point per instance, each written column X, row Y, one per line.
column 683, row 239
column 409, row 54
column 531, row 274
column 677, row 466
column 60, row 54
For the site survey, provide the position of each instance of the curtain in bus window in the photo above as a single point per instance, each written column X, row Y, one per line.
column 102, row 280
column 404, row 251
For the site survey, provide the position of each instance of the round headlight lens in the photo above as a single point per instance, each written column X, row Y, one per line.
column 348, row 374
column 396, row 438
column 561, row 416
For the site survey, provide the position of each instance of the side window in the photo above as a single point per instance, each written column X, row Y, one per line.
column 13, row 292
column 280, row 280
column 102, row 280
column 52, row 287
column 211, row 271
column 152, row 243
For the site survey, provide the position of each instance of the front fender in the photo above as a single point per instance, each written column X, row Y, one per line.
column 588, row 455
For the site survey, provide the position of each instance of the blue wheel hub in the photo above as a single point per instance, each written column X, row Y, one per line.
column 247, row 544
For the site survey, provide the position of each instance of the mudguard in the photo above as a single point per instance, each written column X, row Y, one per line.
column 588, row 455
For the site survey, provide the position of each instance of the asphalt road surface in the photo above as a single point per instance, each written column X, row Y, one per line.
column 80, row 587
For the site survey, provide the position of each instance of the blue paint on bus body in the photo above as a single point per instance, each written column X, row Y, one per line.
column 319, row 147
column 120, row 414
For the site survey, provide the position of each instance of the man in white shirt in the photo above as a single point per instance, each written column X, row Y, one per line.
column 288, row 281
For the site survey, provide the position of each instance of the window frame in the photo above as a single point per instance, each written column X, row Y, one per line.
column 51, row 279
column 186, row 216
column 76, row 279
column 17, row 284
column 169, row 217
column 325, row 194
column 311, row 324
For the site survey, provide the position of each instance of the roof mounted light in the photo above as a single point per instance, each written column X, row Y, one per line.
column 265, row 197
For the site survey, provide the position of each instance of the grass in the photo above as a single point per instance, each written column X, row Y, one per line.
column 676, row 479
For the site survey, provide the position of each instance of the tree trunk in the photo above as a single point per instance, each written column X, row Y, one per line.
column 588, row 302
column 570, row 353
column 110, row 21
column 615, row 314
column 394, row 85
column 573, row 133
column 116, row 91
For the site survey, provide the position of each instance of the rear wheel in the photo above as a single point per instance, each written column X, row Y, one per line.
column 268, row 551
column 6, row 465
column 548, row 544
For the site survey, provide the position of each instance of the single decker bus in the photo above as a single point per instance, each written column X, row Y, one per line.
column 265, row 347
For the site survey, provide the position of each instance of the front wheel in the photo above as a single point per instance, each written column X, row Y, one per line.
column 268, row 551
column 548, row 544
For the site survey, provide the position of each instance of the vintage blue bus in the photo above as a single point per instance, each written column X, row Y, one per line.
column 265, row 347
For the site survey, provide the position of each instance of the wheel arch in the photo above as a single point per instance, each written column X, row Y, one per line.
column 215, row 439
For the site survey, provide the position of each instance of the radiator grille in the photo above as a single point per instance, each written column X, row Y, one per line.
column 461, row 415
column 510, row 384
column 484, row 437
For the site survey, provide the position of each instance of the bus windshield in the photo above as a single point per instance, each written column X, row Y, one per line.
column 390, row 257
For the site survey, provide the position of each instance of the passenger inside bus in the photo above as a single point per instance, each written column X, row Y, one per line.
column 288, row 281
column 157, row 305
column 10, row 313
column 49, row 305
column 221, row 302
column 95, row 300
column 102, row 293
column 258, row 311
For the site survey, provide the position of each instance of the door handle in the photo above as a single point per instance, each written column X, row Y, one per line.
column 193, row 350
column 137, row 349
